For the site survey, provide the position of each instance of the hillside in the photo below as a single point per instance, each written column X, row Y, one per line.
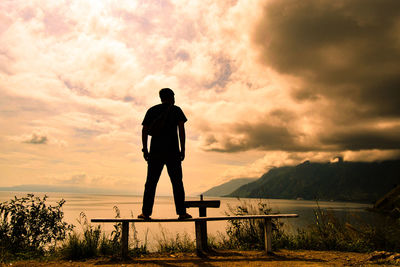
column 228, row 187
column 389, row 203
column 341, row 181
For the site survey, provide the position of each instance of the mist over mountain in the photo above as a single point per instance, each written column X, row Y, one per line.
column 340, row 181
column 228, row 187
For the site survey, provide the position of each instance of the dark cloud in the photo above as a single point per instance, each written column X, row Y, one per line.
column 183, row 55
column 263, row 135
column 344, row 52
column 339, row 48
column 222, row 74
column 76, row 87
column 362, row 138
column 37, row 139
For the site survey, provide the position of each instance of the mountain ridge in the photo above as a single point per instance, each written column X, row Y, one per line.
column 228, row 187
column 340, row 181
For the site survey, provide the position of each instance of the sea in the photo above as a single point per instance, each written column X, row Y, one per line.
column 80, row 207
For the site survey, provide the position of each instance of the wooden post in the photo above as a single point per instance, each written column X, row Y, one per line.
column 268, row 235
column 203, row 226
column 124, row 239
column 201, row 238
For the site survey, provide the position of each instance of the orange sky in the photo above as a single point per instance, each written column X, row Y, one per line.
column 263, row 84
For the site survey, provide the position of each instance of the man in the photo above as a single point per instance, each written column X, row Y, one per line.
column 162, row 122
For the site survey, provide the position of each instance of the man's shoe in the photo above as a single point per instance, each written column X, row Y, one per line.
column 144, row 217
column 184, row 216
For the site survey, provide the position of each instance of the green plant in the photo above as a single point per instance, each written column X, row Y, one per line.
column 249, row 234
column 28, row 225
column 328, row 232
column 95, row 242
column 85, row 247
column 172, row 244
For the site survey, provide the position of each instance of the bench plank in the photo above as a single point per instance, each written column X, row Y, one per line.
column 219, row 218
column 203, row 204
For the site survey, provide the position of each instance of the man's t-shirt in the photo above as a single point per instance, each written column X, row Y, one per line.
column 165, row 144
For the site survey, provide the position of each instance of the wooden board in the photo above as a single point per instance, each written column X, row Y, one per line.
column 203, row 204
column 221, row 218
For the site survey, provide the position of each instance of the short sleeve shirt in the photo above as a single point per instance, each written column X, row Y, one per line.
column 165, row 144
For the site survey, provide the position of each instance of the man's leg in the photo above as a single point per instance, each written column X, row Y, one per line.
column 154, row 168
column 174, row 168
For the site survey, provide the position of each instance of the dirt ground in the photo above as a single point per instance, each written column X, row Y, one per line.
column 239, row 258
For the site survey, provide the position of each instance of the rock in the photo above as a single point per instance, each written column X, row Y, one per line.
column 395, row 258
column 378, row 255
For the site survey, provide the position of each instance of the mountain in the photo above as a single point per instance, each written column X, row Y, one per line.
column 340, row 181
column 228, row 187
column 389, row 203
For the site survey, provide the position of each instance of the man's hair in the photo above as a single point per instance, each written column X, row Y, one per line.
column 166, row 93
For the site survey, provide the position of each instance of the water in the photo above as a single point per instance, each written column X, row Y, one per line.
column 102, row 206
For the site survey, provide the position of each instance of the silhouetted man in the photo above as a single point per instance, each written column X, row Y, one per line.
column 163, row 122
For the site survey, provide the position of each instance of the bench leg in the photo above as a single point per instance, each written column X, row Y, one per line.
column 268, row 235
column 124, row 239
column 201, row 237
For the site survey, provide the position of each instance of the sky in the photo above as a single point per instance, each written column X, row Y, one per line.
column 263, row 83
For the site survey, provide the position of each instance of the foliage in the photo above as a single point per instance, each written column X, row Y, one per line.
column 29, row 226
column 95, row 242
column 327, row 232
column 249, row 234
column 85, row 247
column 179, row 243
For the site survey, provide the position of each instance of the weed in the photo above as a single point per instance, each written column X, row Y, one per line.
column 179, row 243
column 249, row 234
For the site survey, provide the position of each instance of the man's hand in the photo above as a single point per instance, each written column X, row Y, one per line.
column 182, row 138
column 145, row 154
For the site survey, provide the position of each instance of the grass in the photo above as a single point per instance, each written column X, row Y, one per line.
column 95, row 242
column 170, row 243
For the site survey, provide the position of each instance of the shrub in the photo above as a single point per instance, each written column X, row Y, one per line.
column 95, row 242
column 249, row 234
column 328, row 232
column 28, row 225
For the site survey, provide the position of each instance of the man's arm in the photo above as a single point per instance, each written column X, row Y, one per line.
column 182, row 138
column 144, row 142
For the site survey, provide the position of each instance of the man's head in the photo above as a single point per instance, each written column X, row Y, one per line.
column 167, row 96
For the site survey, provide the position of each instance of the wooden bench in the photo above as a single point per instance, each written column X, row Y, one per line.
column 199, row 224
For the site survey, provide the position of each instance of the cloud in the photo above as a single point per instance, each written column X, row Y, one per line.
column 265, row 81
column 341, row 50
column 344, row 61
column 363, row 138
column 39, row 137
column 247, row 136
column 37, row 140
